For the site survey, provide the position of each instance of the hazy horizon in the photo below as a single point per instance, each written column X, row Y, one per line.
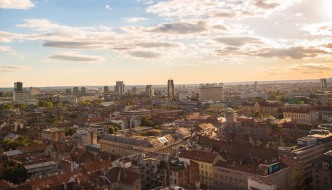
column 95, row 43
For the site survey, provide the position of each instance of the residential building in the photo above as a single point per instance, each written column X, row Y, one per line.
column 323, row 83
column 205, row 160
column 105, row 89
column 34, row 91
column 249, row 95
column 53, row 134
column 213, row 92
column 266, row 108
column 18, row 87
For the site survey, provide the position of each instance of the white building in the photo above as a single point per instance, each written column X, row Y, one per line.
column 21, row 97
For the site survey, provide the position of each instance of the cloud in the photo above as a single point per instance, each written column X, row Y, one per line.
column 108, row 7
column 134, row 19
column 74, row 56
column 6, row 37
column 75, row 45
column 16, row 4
column 180, row 28
column 238, row 40
column 264, row 4
column 323, row 28
column 219, row 9
column 311, row 67
column 296, row 52
column 9, row 68
column 145, row 54
column 7, row 50
column 157, row 44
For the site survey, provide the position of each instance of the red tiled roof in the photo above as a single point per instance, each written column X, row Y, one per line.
column 199, row 155
column 97, row 166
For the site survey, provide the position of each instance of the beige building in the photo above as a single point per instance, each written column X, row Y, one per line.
column 322, row 172
column 21, row 97
column 205, row 161
column 53, row 134
column 212, row 92
column 302, row 115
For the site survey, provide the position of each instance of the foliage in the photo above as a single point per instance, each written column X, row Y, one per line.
column 14, row 144
column 70, row 131
column 14, row 174
column 276, row 127
column 113, row 129
column 145, row 121
column 45, row 103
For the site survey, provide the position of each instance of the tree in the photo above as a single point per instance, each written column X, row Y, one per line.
column 145, row 121
column 14, row 174
column 70, row 131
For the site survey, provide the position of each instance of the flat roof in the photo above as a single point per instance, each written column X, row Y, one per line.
column 39, row 165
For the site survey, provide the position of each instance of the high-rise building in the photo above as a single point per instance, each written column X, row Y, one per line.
column 149, row 91
column 119, row 87
column 20, row 96
column 212, row 92
column 18, row 86
column 76, row 91
column 255, row 85
column 105, row 89
column 170, row 88
column 34, row 91
column 134, row 90
column 323, row 83
column 83, row 90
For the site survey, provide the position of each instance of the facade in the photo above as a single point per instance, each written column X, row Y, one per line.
column 18, row 87
column 205, row 161
column 53, row 134
column 119, row 87
column 21, row 97
column 149, row 91
column 302, row 115
column 170, row 88
column 34, row 91
column 105, row 89
column 323, row 83
column 212, row 92
column 248, row 95
column 264, row 107
column 322, row 172
column 40, row 169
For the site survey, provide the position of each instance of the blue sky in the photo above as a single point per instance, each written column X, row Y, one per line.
column 96, row 42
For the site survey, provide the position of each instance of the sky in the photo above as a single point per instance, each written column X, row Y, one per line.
column 97, row 42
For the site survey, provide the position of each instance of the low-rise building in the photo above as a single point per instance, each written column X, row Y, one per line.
column 322, row 171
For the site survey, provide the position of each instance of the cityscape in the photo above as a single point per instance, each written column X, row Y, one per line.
column 165, row 95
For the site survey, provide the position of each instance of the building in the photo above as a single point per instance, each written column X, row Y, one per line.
column 125, row 146
column 68, row 91
column 84, row 137
column 149, row 91
column 302, row 115
column 249, row 95
column 205, row 160
column 83, row 90
column 170, row 88
column 322, row 172
column 183, row 95
column 53, row 134
column 106, row 89
column 134, row 90
column 34, row 91
column 255, row 85
column 323, row 83
column 119, row 87
column 18, row 87
column 266, row 108
column 40, row 169
column 209, row 92
column 76, row 91
column 21, row 97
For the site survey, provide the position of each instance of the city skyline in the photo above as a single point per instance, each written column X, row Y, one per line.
column 65, row 43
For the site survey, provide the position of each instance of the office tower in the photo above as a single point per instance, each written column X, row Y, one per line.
column 170, row 88
column 255, row 85
column 18, row 87
column 83, row 90
column 105, row 89
column 119, row 87
column 68, row 91
column 75, row 91
column 149, row 91
column 134, row 90
column 212, row 92
column 323, row 83
column 19, row 96
column 34, row 91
